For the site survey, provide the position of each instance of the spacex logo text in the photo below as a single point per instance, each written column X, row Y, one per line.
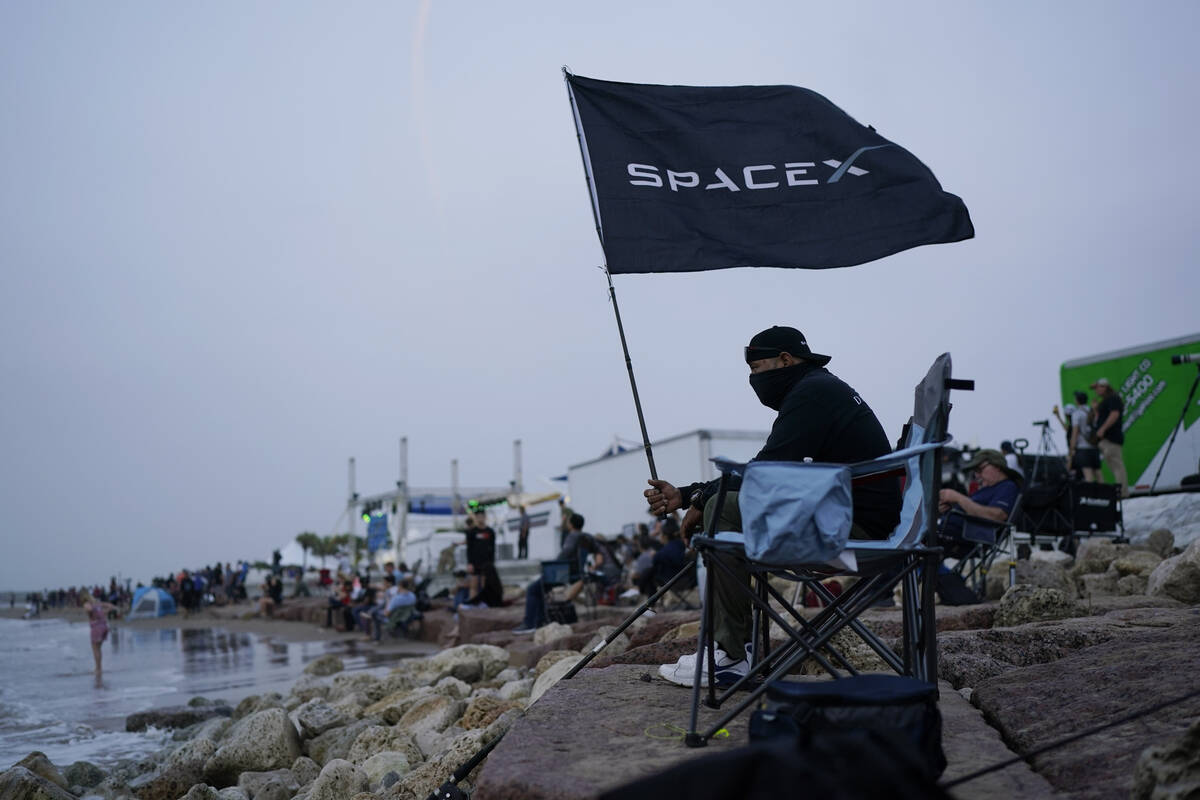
column 754, row 177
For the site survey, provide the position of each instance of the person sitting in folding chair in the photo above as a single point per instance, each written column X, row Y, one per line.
column 575, row 544
column 820, row 419
column 993, row 500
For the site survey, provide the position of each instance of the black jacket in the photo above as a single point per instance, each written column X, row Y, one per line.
column 822, row 418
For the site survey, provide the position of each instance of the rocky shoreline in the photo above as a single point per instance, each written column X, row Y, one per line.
column 1074, row 644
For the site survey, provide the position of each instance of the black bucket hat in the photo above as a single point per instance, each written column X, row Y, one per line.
column 782, row 339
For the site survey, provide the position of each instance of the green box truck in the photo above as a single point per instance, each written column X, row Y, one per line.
column 1154, row 390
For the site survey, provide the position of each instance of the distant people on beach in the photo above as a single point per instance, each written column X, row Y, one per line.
column 97, row 611
column 523, row 535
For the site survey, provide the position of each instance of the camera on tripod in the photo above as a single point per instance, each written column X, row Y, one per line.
column 1041, row 423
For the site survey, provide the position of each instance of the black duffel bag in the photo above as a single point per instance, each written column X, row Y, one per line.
column 899, row 709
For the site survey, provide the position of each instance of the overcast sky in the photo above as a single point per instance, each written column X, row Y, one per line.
column 242, row 242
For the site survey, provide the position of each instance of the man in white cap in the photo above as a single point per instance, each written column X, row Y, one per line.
column 1109, row 432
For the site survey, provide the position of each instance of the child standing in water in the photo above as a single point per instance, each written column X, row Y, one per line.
column 97, row 611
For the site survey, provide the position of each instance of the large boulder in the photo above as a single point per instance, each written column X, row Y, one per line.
column 547, row 634
column 174, row 717
column 257, row 702
column 265, row 740
column 339, row 779
column 1135, row 562
column 552, row 676
column 1178, row 577
column 1161, row 541
column 193, row 754
column 1023, row 603
column 277, row 784
column 434, row 713
column 324, row 665
column 37, row 763
column 1044, row 574
column 617, row 646
column 1098, row 584
column 170, row 783
column 485, row 709
column 19, row 783
column 1170, row 770
column 316, row 716
column 1096, row 554
column 348, row 684
column 336, row 743
column 550, row 659
column 380, row 738
column 305, row 770
column 468, row 662
column 381, row 764
column 83, row 774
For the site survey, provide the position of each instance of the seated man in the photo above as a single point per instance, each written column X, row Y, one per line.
column 820, row 418
column 998, row 488
column 575, row 543
column 401, row 609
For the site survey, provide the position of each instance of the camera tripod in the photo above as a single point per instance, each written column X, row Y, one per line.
column 1046, row 448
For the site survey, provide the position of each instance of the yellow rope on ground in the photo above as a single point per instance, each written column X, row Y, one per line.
column 676, row 732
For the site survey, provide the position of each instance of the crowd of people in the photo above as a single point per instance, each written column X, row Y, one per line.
column 391, row 604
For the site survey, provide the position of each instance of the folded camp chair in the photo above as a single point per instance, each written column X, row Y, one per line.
column 982, row 541
column 771, row 491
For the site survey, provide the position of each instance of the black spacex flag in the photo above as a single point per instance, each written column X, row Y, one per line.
column 691, row 178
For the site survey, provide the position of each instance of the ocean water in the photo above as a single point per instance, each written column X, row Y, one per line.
column 50, row 699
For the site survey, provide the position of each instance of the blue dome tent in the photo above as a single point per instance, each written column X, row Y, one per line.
column 150, row 601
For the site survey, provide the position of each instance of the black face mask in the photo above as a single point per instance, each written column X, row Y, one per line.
column 772, row 386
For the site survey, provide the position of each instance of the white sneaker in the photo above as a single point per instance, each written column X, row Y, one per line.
column 689, row 660
column 683, row 671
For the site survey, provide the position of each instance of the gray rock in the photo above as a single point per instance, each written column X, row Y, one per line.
column 1169, row 771
column 277, row 784
column 1150, row 657
column 435, row 713
column 192, row 755
column 1161, row 541
column 338, row 780
column 615, row 647
column 257, row 702
column 175, row 717
column 548, row 634
column 380, row 765
column 1098, row 584
column 309, row 687
column 213, row 729
column 168, row 784
column 389, row 779
column 1135, row 562
column 336, row 743
column 515, row 690
column 232, row 793
column 1178, row 577
column 37, row 763
column 346, row 684
column 265, row 740
column 453, row 687
column 325, row 665
column 316, row 716
column 18, row 783
column 84, row 774
column 199, row 701
column 1132, row 585
column 552, row 676
column 468, row 662
column 202, row 791
column 1022, row 604
column 305, row 770
column 1095, row 555
column 380, row 738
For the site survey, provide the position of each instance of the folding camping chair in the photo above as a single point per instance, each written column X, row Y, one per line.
column 982, row 541
column 908, row 557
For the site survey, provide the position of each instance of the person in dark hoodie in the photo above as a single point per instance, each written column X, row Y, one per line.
column 819, row 418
